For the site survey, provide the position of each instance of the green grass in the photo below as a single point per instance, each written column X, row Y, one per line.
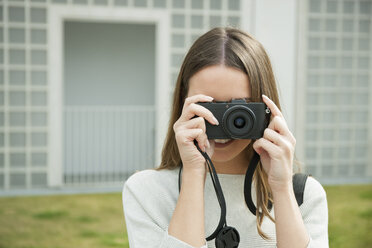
column 96, row 220
column 91, row 220
column 350, row 215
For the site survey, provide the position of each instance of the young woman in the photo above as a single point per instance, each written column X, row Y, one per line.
column 222, row 65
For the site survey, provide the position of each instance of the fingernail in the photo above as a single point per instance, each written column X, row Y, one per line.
column 215, row 121
column 210, row 98
column 264, row 96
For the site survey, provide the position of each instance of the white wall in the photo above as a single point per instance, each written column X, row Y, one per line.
column 274, row 25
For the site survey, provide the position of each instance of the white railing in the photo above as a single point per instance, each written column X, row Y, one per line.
column 106, row 144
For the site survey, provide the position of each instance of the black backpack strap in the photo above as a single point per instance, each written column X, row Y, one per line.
column 299, row 181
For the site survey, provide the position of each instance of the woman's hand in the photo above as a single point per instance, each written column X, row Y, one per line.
column 187, row 129
column 276, row 149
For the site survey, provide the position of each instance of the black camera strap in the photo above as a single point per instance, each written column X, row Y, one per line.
column 299, row 181
column 224, row 235
column 248, row 182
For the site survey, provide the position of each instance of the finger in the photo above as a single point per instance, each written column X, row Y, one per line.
column 277, row 139
column 185, row 136
column 197, row 98
column 272, row 106
column 264, row 144
column 194, row 99
column 189, row 135
column 272, row 136
column 210, row 149
column 196, row 109
column 202, row 140
column 197, row 122
column 278, row 124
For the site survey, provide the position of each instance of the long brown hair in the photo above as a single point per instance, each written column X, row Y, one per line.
column 232, row 48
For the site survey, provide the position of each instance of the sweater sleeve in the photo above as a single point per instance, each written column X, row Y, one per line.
column 315, row 214
column 142, row 229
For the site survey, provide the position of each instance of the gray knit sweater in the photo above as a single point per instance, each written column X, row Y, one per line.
column 150, row 197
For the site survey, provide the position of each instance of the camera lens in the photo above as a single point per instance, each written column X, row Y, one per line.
column 239, row 122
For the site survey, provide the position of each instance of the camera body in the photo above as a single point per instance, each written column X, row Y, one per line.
column 238, row 119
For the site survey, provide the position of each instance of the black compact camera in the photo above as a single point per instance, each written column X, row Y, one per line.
column 238, row 119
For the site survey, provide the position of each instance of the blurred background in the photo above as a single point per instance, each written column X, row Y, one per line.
column 85, row 95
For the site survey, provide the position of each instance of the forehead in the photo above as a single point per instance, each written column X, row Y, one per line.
column 220, row 82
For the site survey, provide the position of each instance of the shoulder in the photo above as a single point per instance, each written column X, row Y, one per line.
column 313, row 189
column 150, row 178
column 315, row 198
column 151, row 183
column 154, row 192
column 314, row 211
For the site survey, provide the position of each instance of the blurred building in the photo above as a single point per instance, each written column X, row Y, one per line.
column 85, row 85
